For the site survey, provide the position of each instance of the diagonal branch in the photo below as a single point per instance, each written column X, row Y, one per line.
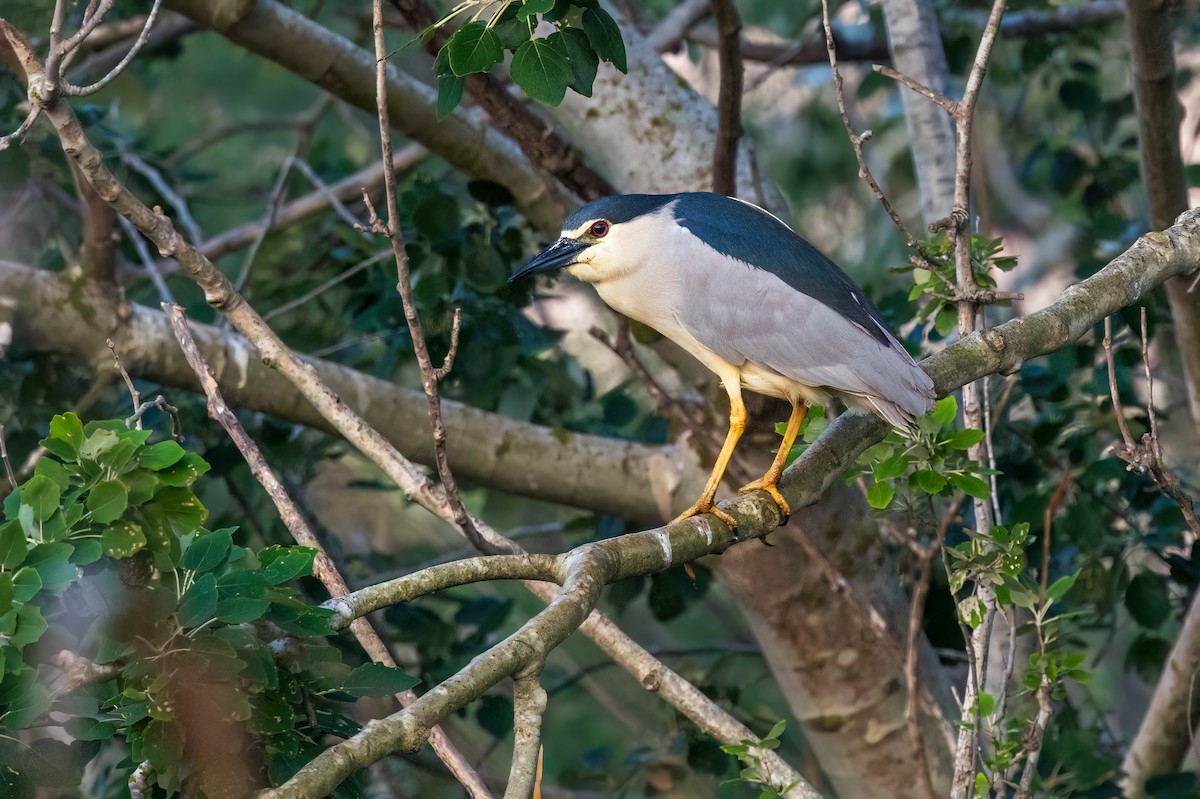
column 324, row 568
column 337, row 65
column 729, row 100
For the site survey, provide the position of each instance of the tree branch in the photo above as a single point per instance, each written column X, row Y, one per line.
column 539, row 141
column 324, row 568
column 337, row 65
column 729, row 102
column 1159, row 114
column 529, row 703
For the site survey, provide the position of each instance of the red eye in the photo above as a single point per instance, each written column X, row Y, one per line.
column 600, row 229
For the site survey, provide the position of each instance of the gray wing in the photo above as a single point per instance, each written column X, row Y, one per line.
column 761, row 319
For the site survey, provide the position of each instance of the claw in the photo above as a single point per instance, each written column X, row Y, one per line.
column 702, row 507
column 785, row 510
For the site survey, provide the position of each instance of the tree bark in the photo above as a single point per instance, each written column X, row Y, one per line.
column 641, row 482
column 916, row 48
column 1166, row 732
column 347, row 71
column 1159, row 114
column 838, row 652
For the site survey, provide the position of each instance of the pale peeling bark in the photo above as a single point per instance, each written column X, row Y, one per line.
column 648, row 131
column 647, row 483
column 916, row 47
column 347, row 71
column 838, row 653
column 1168, row 728
column 1159, row 113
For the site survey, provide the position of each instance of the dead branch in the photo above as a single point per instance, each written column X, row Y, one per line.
column 323, row 567
column 729, row 101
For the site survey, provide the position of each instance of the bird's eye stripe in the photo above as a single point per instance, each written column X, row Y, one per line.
column 599, row 229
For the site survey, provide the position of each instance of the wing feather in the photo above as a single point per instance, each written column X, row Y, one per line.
column 761, row 319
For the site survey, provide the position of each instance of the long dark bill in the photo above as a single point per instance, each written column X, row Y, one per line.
column 558, row 255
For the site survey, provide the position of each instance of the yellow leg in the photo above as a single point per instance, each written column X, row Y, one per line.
column 769, row 481
column 737, row 424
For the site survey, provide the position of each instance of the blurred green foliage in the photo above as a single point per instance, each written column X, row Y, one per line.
column 1057, row 119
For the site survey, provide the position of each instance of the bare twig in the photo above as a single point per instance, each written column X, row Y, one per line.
column 1056, row 501
column 334, row 194
column 340, row 277
column 1033, row 743
column 729, row 102
column 323, row 567
column 668, row 406
column 133, row 392
column 912, row 657
column 856, row 139
column 148, row 262
column 1019, row 24
column 920, row 88
column 80, row 91
column 12, row 479
column 669, row 33
column 155, row 178
column 391, row 228
column 22, row 129
column 529, row 703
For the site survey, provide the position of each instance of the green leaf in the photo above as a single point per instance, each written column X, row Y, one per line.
column 161, row 455
column 605, row 35
column 30, row 626
column 199, row 603
column 280, row 564
column 161, row 744
column 208, row 551
column 29, row 703
column 474, row 48
column 374, row 679
column 892, row 467
column 1059, row 588
column 185, row 471
column 239, row 610
column 6, row 593
column 880, row 495
column 1148, row 600
column 183, row 509
column 53, row 565
column 12, row 545
column 26, row 583
column 98, row 443
column 964, row 439
column 107, row 501
column 927, row 480
column 68, row 429
column 945, row 411
column 87, row 551
column 531, row 7
column 42, row 495
column 55, row 471
column 971, row 485
column 123, row 539
column 542, row 71
column 450, row 92
column 574, row 44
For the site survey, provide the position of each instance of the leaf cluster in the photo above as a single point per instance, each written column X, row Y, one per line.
column 544, row 66
column 175, row 623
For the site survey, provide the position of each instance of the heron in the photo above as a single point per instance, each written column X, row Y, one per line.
column 752, row 300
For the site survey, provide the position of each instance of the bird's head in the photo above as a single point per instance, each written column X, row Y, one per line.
column 603, row 239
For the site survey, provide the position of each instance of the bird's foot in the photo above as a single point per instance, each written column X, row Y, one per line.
column 771, row 487
column 703, row 506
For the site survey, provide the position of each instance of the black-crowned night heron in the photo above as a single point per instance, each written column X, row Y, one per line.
column 754, row 302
